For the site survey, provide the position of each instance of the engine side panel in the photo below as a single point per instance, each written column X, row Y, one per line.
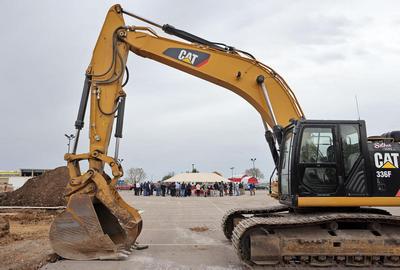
column 384, row 170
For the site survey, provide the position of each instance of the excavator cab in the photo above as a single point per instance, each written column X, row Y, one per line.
column 332, row 163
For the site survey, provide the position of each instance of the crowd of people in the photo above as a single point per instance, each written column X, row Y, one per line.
column 177, row 189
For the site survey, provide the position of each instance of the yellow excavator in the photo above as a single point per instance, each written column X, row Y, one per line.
column 328, row 171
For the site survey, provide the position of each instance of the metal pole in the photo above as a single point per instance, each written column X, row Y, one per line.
column 69, row 137
column 232, row 168
column 254, row 167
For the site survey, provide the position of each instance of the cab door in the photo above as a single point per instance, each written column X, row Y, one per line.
column 353, row 159
column 317, row 170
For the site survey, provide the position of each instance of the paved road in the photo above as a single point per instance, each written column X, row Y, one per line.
column 172, row 244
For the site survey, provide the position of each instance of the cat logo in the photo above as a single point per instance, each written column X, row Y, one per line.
column 191, row 57
column 187, row 57
column 386, row 160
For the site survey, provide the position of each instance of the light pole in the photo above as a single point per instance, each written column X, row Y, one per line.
column 70, row 138
column 254, row 167
column 232, row 168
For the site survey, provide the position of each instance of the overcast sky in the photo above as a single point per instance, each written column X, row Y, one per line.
column 327, row 51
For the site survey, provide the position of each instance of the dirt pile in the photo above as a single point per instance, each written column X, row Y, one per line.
column 4, row 227
column 44, row 190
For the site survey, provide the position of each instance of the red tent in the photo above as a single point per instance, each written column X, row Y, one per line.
column 252, row 180
column 244, row 179
column 236, row 180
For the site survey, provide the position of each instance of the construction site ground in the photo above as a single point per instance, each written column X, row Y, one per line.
column 26, row 246
column 182, row 233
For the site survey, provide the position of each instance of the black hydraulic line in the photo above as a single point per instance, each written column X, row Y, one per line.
column 272, row 146
column 120, row 118
column 127, row 76
column 270, row 181
column 169, row 29
column 84, row 100
column 108, row 113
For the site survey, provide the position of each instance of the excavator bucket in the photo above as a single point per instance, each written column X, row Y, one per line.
column 91, row 228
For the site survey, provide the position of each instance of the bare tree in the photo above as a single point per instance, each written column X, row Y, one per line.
column 135, row 175
column 168, row 176
column 256, row 172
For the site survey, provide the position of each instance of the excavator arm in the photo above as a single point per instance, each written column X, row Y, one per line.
column 97, row 223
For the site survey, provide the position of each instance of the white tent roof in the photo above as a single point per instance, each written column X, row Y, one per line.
column 197, row 177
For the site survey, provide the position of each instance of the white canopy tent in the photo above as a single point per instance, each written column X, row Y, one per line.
column 197, row 177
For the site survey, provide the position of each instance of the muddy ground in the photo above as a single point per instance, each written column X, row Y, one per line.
column 26, row 246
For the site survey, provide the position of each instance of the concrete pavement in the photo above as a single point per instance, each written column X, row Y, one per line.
column 170, row 231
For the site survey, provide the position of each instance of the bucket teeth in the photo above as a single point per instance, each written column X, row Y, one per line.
column 122, row 256
column 126, row 252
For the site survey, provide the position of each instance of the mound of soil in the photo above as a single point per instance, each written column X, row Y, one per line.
column 4, row 227
column 44, row 190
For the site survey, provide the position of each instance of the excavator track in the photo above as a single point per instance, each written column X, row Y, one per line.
column 234, row 216
column 353, row 239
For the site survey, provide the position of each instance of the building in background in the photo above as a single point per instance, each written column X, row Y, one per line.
column 12, row 180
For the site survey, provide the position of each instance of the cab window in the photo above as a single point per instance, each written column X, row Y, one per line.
column 317, row 146
column 285, row 170
column 350, row 141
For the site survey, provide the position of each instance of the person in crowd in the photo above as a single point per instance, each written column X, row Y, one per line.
column 188, row 190
column 163, row 189
column 137, row 188
column 141, row 189
column 226, row 189
column 144, row 188
column 147, row 188
column 254, row 189
column 251, row 189
column 183, row 190
column 240, row 187
column 198, row 187
column 237, row 191
column 221, row 189
column 215, row 189
column 230, row 188
column 158, row 188
column 204, row 188
column 177, row 189
column 172, row 189
column 134, row 188
column 151, row 188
